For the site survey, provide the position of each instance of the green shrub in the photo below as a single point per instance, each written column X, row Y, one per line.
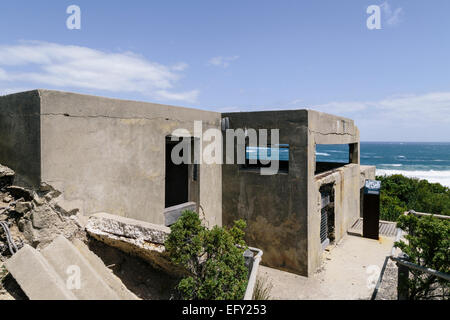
column 214, row 259
column 427, row 245
column 399, row 194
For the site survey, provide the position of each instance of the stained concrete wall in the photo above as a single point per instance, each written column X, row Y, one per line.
column 108, row 155
column 328, row 129
column 19, row 136
column 274, row 207
column 283, row 211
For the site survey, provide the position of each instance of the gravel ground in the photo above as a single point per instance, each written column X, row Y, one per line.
column 388, row 286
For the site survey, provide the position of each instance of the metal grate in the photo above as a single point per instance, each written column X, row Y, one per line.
column 387, row 228
column 323, row 226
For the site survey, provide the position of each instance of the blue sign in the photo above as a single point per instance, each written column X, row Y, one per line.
column 372, row 187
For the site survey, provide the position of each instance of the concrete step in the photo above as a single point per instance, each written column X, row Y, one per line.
column 107, row 275
column 71, row 266
column 37, row 278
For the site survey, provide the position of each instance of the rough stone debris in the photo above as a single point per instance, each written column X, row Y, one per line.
column 6, row 176
column 35, row 217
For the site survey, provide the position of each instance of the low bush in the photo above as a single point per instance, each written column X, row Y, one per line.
column 213, row 257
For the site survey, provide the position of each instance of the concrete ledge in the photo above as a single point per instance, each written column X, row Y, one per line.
column 37, row 277
column 104, row 223
column 172, row 214
column 138, row 238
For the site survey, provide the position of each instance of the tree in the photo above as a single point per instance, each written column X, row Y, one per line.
column 427, row 245
column 213, row 258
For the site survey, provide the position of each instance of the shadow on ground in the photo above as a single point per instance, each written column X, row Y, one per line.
column 137, row 275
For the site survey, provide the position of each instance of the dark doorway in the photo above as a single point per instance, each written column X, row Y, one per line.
column 177, row 178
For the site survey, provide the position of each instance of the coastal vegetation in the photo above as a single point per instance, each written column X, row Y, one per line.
column 427, row 238
column 213, row 258
column 400, row 194
column 427, row 245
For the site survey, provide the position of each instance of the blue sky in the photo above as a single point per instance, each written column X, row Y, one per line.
column 244, row 55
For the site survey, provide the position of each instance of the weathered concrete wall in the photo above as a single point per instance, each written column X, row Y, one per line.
column 104, row 154
column 367, row 173
column 329, row 129
column 274, row 207
column 19, row 136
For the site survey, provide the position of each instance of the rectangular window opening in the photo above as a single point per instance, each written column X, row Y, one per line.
column 262, row 157
column 332, row 156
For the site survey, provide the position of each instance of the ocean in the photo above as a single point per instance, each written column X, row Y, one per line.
column 430, row 161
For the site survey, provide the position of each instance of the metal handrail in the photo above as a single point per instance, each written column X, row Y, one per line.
column 411, row 265
column 439, row 216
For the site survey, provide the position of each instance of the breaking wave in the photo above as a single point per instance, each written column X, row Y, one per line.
column 433, row 176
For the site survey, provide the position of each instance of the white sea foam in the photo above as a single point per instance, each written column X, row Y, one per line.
column 442, row 177
column 337, row 151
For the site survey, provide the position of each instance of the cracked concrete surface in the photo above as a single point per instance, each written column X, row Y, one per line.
column 344, row 275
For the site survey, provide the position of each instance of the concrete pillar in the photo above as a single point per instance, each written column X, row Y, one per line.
column 354, row 153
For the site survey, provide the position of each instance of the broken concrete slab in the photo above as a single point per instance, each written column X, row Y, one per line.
column 128, row 228
column 68, row 262
column 107, row 275
column 138, row 238
column 37, row 277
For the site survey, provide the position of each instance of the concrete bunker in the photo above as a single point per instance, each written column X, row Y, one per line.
column 112, row 156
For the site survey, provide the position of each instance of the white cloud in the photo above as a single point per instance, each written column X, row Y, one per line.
column 190, row 96
column 392, row 17
column 180, row 66
column 67, row 66
column 223, row 62
column 431, row 107
column 5, row 91
column 3, row 75
column 404, row 117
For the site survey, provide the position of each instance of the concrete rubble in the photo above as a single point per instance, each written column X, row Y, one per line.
column 38, row 224
column 34, row 217
column 51, row 274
